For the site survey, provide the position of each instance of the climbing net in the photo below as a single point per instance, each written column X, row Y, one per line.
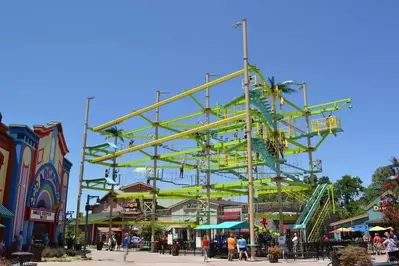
column 212, row 141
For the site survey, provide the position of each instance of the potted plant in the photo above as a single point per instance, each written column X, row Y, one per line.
column 175, row 249
column 274, row 253
column 352, row 255
column 100, row 245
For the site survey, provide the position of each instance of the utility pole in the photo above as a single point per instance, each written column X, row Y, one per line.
column 154, row 184
column 111, row 197
column 310, row 149
column 248, row 132
column 197, row 183
column 208, row 155
column 82, row 165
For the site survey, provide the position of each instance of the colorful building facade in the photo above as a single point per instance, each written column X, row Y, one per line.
column 35, row 181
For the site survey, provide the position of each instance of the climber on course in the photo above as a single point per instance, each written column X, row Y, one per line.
column 182, row 169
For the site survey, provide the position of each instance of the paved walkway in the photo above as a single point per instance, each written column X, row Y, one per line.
column 111, row 258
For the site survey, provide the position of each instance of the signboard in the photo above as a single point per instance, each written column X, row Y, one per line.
column 42, row 215
column 131, row 206
column 377, row 208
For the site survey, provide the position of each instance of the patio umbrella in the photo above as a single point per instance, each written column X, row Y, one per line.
column 341, row 230
column 359, row 229
column 377, row 228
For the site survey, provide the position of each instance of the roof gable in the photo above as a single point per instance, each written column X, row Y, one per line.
column 47, row 128
column 136, row 187
column 183, row 202
column 368, row 207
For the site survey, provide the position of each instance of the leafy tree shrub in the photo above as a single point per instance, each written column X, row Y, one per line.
column 352, row 255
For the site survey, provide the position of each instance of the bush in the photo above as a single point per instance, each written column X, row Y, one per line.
column 352, row 255
column 53, row 252
column 72, row 253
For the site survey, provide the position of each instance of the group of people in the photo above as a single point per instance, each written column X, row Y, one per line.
column 234, row 245
column 388, row 242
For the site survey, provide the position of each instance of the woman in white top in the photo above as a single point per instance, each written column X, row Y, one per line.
column 389, row 244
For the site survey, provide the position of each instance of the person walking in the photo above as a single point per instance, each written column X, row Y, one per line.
column 125, row 247
column 295, row 244
column 242, row 247
column 377, row 244
column 390, row 244
column 20, row 241
column 205, row 248
column 231, row 246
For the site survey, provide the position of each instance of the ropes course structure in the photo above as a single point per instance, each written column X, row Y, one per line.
column 197, row 155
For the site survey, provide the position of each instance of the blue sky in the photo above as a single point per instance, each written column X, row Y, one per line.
column 54, row 54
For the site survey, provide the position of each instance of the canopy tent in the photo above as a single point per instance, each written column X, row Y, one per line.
column 224, row 225
column 233, row 225
column 206, row 227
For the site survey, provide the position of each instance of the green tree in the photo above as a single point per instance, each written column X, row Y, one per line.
column 146, row 232
column 379, row 178
column 323, row 180
column 348, row 189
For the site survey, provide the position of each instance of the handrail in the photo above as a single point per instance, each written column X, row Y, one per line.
column 307, row 207
column 315, row 204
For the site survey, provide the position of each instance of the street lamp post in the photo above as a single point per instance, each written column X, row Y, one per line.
column 82, row 164
column 208, row 152
column 88, row 208
column 248, row 132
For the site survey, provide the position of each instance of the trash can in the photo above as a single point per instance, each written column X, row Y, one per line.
column 335, row 254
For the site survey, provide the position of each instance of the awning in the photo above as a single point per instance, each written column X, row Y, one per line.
column 206, row 227
column 97, row 217
column 4, row 212
column 233, row 225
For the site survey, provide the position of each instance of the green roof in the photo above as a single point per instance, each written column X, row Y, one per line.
column 206, row 227
column 97, row 217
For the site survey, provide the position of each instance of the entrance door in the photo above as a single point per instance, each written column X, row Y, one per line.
column 39, row 230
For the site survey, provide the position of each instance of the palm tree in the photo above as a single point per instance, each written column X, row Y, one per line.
column 116, row 134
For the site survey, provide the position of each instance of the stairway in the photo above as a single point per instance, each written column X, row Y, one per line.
column 318, row 222
column 259, row 147
column 310, row 208
column 261, row 103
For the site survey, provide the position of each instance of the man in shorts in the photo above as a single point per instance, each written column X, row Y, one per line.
column 125, row 246
column 231, row 246
column 242, row 248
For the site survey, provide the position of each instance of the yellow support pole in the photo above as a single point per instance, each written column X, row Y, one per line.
column 169, row 100
column 168, row 138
